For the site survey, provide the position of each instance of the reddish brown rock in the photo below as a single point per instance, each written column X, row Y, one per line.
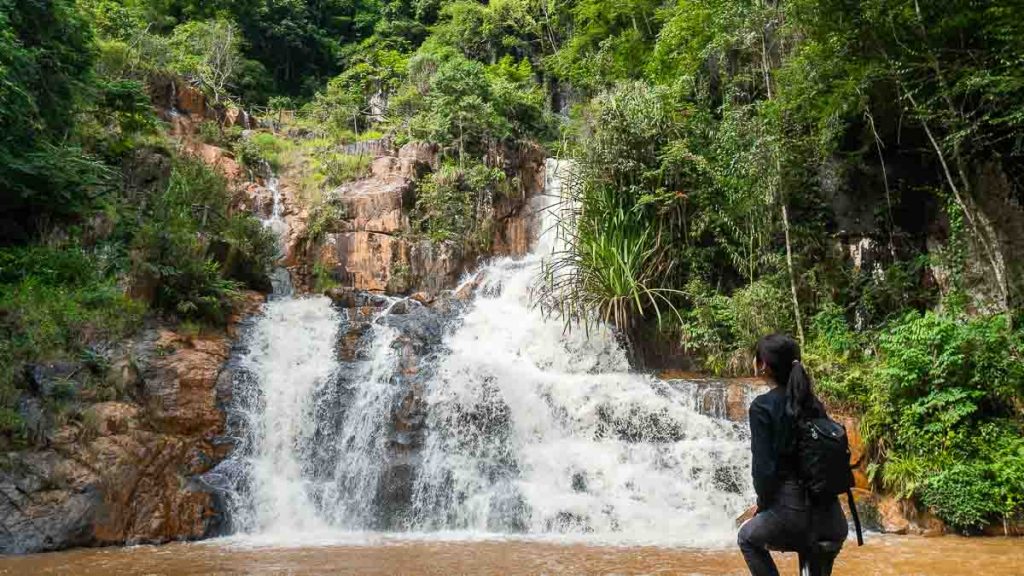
column 109, row 418
column 422, row 297
column 190, row 100
column 125, row 472
column 375, row 248
column 179, row 384
column 374, row 206
column 257, row 199
column 858, row 455
column 369, row 261
column 392, row 168
column 220, row 159
column 421, row 152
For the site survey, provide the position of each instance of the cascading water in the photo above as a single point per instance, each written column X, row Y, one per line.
column 279, row 277
column 538, row 430
column 528, row 429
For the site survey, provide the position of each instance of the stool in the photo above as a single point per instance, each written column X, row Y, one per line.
column 818, row 561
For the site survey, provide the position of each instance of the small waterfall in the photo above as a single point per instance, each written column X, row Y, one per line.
column 280, row 279
column 290, row 356
column 528, row 429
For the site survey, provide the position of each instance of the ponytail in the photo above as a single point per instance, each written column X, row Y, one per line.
column 800, row 400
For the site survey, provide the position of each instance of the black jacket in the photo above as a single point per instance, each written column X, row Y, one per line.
column 773, row 445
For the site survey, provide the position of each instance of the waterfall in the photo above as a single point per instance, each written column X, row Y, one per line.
column 536, row 430
column 280, row 279
column 528, row 429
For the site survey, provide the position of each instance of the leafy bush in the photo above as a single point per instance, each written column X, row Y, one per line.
column 211, row 132
column 193, row 256
column 54, row 304
column 453, row 201
column 722, row 329
column 324, row 217
column 842, row 376
column 187, row 282
column 964, row 496
column 259, row 148
column 939, row 395
column 338, row 168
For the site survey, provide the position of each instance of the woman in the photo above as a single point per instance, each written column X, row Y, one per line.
column 786, row 519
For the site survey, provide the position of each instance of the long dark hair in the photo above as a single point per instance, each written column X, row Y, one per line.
column 782, row 354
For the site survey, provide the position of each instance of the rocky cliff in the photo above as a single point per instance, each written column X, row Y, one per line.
column 374, row 247
column 123, row 471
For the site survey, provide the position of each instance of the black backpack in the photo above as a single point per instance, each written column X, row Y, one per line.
column 824, row 462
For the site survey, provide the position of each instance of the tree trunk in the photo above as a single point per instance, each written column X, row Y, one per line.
column 792, row 273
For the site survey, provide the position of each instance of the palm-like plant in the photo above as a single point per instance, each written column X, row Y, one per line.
column 613, row 265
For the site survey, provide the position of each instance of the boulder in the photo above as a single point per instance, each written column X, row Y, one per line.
column 112, row 418
column 220, row 159
column 179, row 383
column 375, row 206
column 257, row 199
column 421, row 152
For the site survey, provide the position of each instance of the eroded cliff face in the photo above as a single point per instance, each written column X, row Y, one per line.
column 374, row 247
column 124, row 471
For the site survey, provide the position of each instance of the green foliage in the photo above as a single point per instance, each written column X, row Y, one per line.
column 465, row 106
column 940, row 397
column 212, row 132
column 722, row 329
column 453, row 202
column 260, row 148
column 963, row 496
column 324, row 166
column 54, row 304
column 324, row 217
column 322, row 278
column 193, row 255
column 11, row 423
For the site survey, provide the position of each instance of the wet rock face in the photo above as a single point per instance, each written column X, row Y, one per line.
column 122, row 471
column 374, row 249
column 420, row 332
column 727, row 398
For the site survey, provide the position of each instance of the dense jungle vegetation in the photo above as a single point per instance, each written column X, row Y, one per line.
column 850, row 171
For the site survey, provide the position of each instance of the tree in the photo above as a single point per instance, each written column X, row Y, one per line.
column 46, row 62
column 209, row 51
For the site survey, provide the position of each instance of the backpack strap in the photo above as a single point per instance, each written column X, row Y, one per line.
column 856, row 517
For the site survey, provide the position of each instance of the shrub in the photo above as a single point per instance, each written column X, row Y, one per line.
column 251, row 249
column 454, row 202
column 260, row 148
column 211, row 132
column 192, row 253
column 188, row 283
column 964, row 496
column 55, row 304
column 834, row 352
column 939, row 396
column 323, row 218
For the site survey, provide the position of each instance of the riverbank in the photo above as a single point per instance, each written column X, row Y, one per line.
column 881, row 556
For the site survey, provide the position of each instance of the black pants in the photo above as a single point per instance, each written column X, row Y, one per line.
column 791, row 524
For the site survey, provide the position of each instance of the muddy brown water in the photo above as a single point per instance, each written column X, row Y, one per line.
column 882, row 556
